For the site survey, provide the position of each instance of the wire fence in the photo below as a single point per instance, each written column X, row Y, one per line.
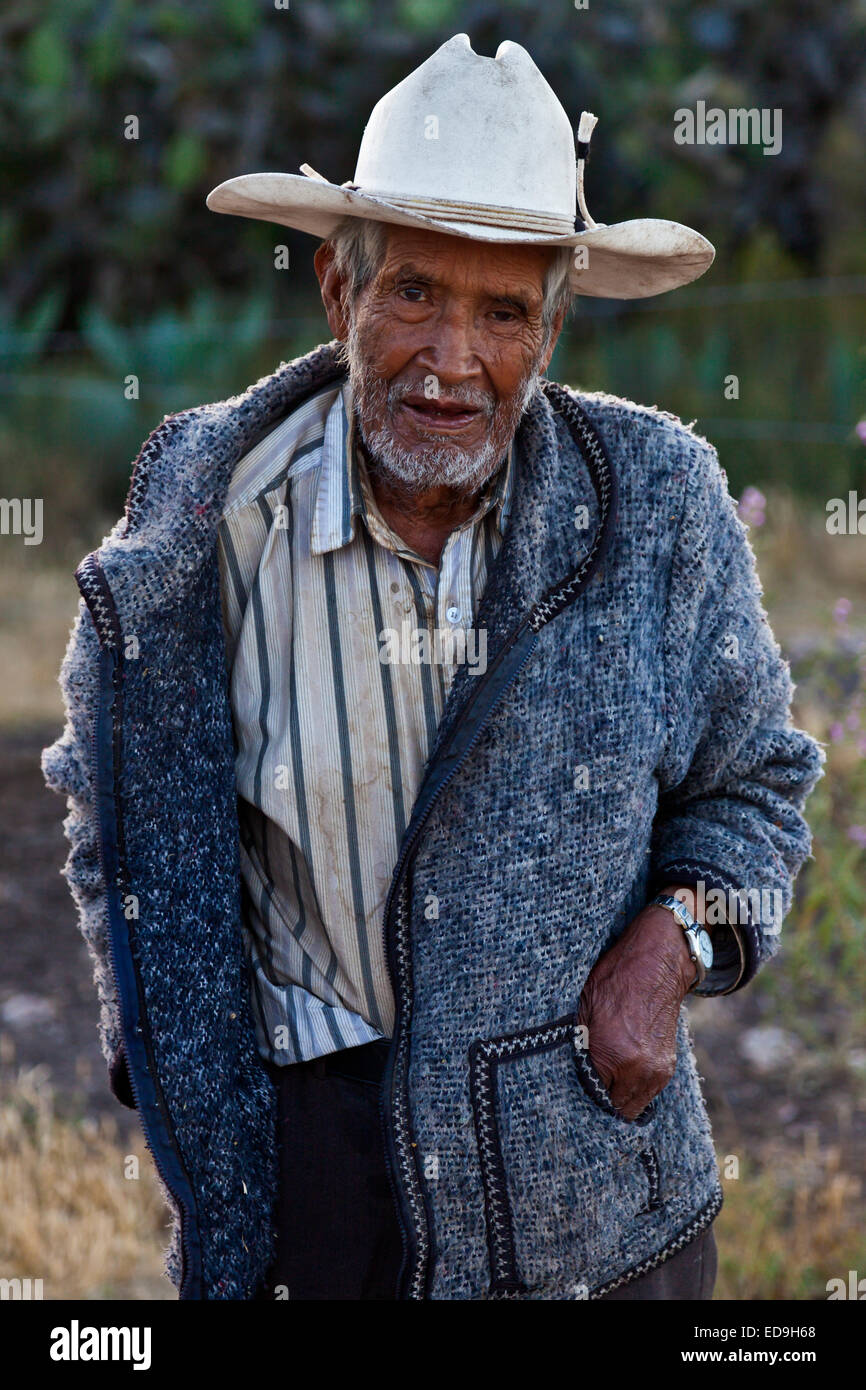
column 14, row 343
column 753, row 292
column 704, row 297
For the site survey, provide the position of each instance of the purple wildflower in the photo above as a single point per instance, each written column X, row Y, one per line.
column 751, row 508
column 841, row 609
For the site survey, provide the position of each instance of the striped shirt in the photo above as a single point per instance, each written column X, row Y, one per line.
column 342, row 644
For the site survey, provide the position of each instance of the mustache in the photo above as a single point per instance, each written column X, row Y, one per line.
column 394, row 393
column 464, row 393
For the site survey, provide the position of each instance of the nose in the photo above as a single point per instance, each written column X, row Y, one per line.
column 451, row 351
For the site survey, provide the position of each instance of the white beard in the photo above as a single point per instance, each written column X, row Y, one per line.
column 442, row 463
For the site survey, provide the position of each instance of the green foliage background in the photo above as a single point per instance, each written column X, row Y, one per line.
column 113, row 265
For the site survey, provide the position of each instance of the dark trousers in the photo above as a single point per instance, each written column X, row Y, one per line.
column 337, row 1236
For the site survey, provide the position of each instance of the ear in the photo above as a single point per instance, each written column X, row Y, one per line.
column 332, row 286
column 558, row 321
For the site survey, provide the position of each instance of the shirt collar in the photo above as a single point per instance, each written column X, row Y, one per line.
column 340, row 491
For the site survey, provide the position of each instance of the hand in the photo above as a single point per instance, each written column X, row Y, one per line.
column 630, row 1006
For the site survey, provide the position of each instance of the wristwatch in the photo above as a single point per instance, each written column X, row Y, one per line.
column 697, row 937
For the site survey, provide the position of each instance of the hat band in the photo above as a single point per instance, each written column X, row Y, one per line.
column 452, row 210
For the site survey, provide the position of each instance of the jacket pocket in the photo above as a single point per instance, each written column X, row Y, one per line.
column 600, row 1096
column 598, row 1092
column 564, row 1175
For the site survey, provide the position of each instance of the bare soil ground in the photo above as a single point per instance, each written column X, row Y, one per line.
column 48, row 1006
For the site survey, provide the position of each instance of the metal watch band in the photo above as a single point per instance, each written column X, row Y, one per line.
column 690, row 929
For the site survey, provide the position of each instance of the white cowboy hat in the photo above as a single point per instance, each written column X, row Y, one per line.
column 481, row 148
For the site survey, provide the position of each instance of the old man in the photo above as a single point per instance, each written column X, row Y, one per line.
column 427, row 745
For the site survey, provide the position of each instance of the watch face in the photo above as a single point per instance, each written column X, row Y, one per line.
column 705, row 946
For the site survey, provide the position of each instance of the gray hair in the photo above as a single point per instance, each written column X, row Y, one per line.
column 359, row 248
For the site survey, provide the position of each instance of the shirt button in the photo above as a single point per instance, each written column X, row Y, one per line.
column 453, row 614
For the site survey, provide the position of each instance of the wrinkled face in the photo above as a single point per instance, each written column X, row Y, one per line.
column 444, row 349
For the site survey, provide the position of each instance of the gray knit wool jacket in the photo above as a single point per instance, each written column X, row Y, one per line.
column 632, row 729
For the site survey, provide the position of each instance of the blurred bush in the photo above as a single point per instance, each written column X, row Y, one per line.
column 98, row 231
column 220, row 87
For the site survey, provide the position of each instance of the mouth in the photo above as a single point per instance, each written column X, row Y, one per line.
column 449, row 417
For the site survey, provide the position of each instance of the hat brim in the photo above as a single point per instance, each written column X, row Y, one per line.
column 627, row 260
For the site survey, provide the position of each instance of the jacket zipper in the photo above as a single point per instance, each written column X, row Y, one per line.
column 410, row 1200
column 94, row 590
column 400, row 1149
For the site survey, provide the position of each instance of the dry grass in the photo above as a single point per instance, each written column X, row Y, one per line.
column 803, row 569
column 72, row 1219
column 791, row 1225
column 40, row 603
column 39, row 607
column 70, row 1215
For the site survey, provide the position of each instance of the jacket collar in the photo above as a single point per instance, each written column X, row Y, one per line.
column 154, row 557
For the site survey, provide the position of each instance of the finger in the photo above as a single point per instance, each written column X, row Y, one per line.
column 622, row 1092
column 630, row 1100
column 605, row 1068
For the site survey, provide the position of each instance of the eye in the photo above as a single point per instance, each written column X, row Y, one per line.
column 508, row 315
column 411, row 289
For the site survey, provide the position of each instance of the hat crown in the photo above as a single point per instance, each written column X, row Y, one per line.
column 479, row 148
column 471, row 129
